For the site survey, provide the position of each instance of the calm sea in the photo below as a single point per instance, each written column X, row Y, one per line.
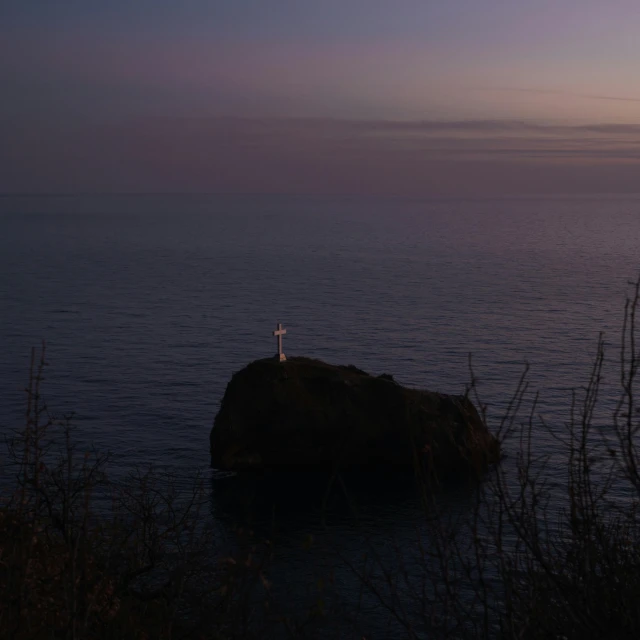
column 149, row 304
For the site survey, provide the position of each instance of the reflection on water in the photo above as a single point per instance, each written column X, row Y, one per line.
column 287, row 502
column 328, row 532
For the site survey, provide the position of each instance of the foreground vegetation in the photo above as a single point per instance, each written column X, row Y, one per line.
column 82, row 556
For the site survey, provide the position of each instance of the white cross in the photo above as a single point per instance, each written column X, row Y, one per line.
column 279, row 332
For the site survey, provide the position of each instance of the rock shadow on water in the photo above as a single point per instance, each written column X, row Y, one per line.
column 315, row 527
column 293, row 502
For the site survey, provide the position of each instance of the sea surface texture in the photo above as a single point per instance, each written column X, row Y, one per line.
column 148, row 305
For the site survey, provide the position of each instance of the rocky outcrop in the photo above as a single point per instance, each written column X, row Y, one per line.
column 304, row 413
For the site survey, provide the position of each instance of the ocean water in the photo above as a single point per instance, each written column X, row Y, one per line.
column 148, row 305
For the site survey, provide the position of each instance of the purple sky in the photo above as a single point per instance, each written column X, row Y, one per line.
column 410, row 97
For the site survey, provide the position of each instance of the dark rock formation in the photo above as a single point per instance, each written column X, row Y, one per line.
column 304, row 413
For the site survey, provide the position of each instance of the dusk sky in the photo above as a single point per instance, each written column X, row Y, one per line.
column 357, row 97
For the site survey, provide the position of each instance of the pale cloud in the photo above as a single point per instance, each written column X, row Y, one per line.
column 558, row 92
column 322, row 156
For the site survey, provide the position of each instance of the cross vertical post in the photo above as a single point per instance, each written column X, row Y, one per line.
column 279, row 332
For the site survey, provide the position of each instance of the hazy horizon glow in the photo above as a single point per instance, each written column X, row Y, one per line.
column 83, row 80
